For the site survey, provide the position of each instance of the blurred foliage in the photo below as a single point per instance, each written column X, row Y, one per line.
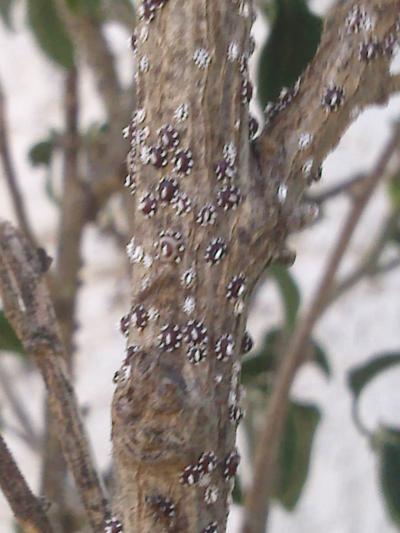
column 49, row 32
column 292, row 42
column 361, row 376
column 6, row 12
column 385, row 441
column 84, row 6
column 8, row 339
column 41, row 153
column 289, row 292
column 388, row 449
column 394, row 191
column 295, row 453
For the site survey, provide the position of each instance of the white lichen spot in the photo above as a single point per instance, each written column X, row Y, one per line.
column 125, row 132
column 307, row 167
column 282, row 193
column 305, row 139
column 144, row 64
column 144, row 33
column 201, row 58
column 189, row 305
column 145, row 154
column 211, row 494
column 154, row 314
column 147, row 261
column 244, row 8
column 233, row 51
column 218, row 379
column 139, row 116
column 230, row 153
column 145, row 283
column 135, row 253
column 181, row 113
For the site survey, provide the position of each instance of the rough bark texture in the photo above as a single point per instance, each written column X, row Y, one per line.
column 192, row 75
column 169, row 411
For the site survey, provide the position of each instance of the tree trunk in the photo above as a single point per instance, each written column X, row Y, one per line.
column 211, row 210
column 177, row 402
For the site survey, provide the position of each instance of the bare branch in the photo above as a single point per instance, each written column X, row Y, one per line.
column 10, row 173
column 349, row 186
column 257, row 499
column 73, row 217
column 28, row 307
column 87, row 35
column 27, row 509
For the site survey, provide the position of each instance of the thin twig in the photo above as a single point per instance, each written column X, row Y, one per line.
column 10, row 173
column 27, row 509
column 369, row 265
column 73, row 217
column 28, row 432
column 257, row 498
column 347, row 186
column 29, row 309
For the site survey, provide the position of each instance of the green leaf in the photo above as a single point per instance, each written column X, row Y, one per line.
column 295, row 453
column 267, row 357
column 41, row 153
column 237, row 493
column 84, row 6
column 8, row 339
column 389, row 470
column 292, row 43
column 361, row 376
column 320, row 359
column 6, row 12
column 289, row 292
column 50, row 32
column 264, row 360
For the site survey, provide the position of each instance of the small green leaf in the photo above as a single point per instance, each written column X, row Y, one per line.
column 361, row 376
column 50, row 32
column 8, row 339
column 289, row 292
column 237, row 493
column 320, row 359
column 41, row 153
column 6, row 12
column 389, row 470
column 294, row 38
column 295, row 453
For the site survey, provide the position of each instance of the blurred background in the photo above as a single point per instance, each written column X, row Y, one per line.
column 336, row 478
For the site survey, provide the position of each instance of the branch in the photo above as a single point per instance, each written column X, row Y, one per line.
column 257, row 498
column 86, row 33
column 74, row 207
column 309, row 120
column 349, row 186
column 10, row 173
column 370, row 264
column 28, row 307
column 26, row 507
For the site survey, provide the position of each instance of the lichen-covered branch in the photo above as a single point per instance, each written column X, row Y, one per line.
column 28, row 307
column 27, row 509
column 350, row 71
